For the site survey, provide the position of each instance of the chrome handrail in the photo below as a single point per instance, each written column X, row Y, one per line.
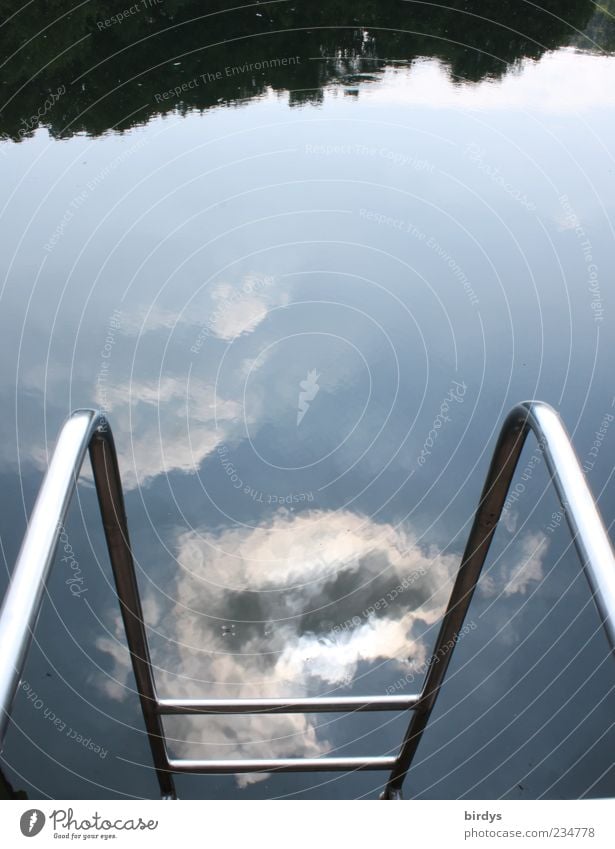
column 88, row 429
column 588, row 531
column 85, row 429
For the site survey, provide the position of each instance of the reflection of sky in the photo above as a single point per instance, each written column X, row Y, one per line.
column 244, row 249
column 562, row 82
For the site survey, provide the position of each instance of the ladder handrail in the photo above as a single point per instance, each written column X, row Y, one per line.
column 84, row 430
column 88, row 430
column 589, row 534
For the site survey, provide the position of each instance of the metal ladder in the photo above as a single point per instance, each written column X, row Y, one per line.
column 88, row 429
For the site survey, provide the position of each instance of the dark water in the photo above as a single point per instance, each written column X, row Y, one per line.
column 277, row 244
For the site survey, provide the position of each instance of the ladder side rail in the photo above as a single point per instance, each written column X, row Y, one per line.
column 589, row 534
column 108, row 483
column 85, row 429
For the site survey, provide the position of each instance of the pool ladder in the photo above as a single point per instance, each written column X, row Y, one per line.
column 89, row 430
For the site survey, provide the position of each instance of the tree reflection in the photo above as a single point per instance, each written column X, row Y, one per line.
column 165, row 55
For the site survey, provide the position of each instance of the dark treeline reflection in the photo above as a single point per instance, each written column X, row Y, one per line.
column 83, row 71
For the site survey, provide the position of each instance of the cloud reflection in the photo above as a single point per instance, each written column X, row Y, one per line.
column 192, row 421
column 292, row 609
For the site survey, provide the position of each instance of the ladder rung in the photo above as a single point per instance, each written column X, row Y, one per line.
column 281, row 765
column 343, row 704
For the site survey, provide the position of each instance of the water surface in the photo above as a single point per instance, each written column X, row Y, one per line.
column 306, row 259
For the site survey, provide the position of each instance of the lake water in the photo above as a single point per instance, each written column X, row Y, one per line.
column 282, row 246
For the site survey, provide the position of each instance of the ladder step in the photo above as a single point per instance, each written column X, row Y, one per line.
column 344, row 704
column 281, row 765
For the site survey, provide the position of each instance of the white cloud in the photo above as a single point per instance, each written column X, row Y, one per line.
column 237, row 311
column 519, row 568
column 174, row 425
column 279, row 655
column 293, row 569
column 223, row 309
column 528, row 567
